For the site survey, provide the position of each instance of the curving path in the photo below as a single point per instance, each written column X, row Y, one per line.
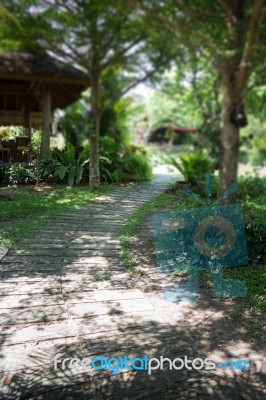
column 68, row 293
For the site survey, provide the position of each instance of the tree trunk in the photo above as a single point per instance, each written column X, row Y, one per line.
column 26, row 117
column 235, row 71
column 229, row 136
column 46, row 117
column 94, row 180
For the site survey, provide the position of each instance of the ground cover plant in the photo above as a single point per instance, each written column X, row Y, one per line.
column 252, row 196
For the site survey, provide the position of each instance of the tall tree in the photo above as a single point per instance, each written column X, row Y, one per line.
column 230, row 31
column 95, row 35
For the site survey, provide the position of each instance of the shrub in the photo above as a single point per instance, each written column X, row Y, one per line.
column 194, row 166
column 255, row 227
column 119, row 163
column 18, row 173
column 46, row 170
column 251, row 187
column 72, row 165
column 108, row 146
column 3, row 174
column 136, row 167
column 105, row 169
column 257, row 150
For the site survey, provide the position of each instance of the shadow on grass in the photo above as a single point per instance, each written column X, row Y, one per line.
column 76, row 299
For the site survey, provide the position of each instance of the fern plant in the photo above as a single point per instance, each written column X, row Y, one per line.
column 71, row 164
column 193, row 166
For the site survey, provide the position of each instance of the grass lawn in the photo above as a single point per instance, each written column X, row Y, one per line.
column 252, row 196
column 33, row 205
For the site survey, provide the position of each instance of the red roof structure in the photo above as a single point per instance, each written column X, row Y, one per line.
column 169, row 133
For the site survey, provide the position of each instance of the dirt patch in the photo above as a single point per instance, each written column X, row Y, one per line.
column 212, row 327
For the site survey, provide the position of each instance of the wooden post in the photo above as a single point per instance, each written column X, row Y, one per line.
column 46, row 117
column 26, row 115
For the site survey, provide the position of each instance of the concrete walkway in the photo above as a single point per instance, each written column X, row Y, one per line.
column 68, row 293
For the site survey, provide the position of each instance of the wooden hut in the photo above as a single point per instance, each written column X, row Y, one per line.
column 169, row 134
column 32, row 86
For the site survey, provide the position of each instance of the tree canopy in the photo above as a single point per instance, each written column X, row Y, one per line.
column 215, row 46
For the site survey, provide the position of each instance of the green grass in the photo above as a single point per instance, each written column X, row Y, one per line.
column 253, row 201
column 31, row 208
column 133, row 224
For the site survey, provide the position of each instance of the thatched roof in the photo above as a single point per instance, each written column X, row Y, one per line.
column 39, row 65
column 22, row 75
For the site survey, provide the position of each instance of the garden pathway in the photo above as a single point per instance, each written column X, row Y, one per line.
column 67, row 292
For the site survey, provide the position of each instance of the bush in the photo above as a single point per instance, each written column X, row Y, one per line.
column 3, row 174
column 119, row 163
column 244, row 155
column 251, row 187
column 252, row 193
column 18, row 173
column 46, row 171
column 194, row 166
column 255, row 233
column 254, row 139
column 71, row 164
column 136, row 167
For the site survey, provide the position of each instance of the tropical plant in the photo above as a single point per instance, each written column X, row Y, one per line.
column 4, row 132
column 136, row 167
column 18, row 173
column 105, row 169
column 5, row 15
column 193, row 166
column 72, row 164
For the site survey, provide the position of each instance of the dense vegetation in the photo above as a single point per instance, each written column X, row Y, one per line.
column 145, row 39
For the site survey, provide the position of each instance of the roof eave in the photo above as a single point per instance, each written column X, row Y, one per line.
column 43, row 78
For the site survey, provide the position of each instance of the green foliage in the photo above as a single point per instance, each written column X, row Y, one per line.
column 9, row 132
column 259, row 153
column 256, row 232
column 121, row 163
column 110, row 147
column 193, row 166
column 105, row 173
column 136, row 167
column 73, row 122
column 18, row 173
column 4, row 132
column 71, row 164
column 117, row 164
column 253, row 139
column 252, row 188
column 4, row 174
column 7, row 16
column 253, row 193
column 47, row 170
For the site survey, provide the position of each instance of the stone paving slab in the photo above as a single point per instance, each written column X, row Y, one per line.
column 66, row 290
column 15, row 288
column 32, row 315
